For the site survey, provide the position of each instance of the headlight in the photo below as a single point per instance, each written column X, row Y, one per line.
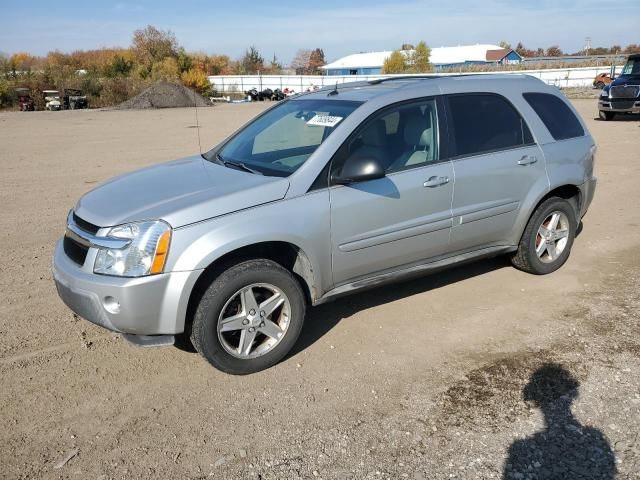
column 605, row 92
column 144, row 255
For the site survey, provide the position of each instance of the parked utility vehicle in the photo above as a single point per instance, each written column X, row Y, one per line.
column 25, row 102
column 52, row 100
column 322, row 195
column 74, row 99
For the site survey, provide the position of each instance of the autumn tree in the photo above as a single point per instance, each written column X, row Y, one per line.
column 300, row 61
column 197, row 80
column 252, row 62
column 419, row 59
column 633, row 48
column 523, row 51
column 554, row 51
column 152, row 45
column 120, row 66
column 395, row 63
column 21, row 62
column 407, row 46
column 316, row 60
column 275, row 67
column 166, row 69
column 504, row 44
column 219, row 65
column 184, row 59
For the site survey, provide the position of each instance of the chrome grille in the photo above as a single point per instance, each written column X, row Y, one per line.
column 625, row 91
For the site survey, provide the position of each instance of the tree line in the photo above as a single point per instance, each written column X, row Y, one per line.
column 556, row 51
column 112, row 75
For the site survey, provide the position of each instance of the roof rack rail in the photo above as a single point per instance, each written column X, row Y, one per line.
column 403, row 77
column 356, row 83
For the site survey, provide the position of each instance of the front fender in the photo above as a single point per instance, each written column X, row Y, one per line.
column 302, row 221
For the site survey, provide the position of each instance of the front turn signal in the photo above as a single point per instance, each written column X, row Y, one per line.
column 162, row 250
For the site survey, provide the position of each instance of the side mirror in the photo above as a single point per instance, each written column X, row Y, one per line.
column 358, row 169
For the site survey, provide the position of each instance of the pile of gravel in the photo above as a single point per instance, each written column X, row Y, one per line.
column 165, row 95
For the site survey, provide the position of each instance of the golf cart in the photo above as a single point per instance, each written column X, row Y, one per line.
column 25, row 102
column 52, row 100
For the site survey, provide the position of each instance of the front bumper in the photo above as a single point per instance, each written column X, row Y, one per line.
column 619, row 105
column 151, row 305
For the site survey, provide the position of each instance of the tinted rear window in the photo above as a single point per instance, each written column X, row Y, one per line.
column 556, row 115
column 484, row 122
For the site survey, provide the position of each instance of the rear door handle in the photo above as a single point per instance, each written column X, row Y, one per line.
column 527, row 160
column 436, row 182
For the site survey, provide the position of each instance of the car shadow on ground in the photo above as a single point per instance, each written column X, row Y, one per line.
column 565, row 448
column 324, row 317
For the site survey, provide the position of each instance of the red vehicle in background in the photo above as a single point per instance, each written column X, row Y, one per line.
column 602, row 80
column 25, row 102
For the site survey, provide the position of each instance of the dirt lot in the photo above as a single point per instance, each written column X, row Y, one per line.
column 425, row 379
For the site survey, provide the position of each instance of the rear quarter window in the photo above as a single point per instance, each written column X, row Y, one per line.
column 555, row 114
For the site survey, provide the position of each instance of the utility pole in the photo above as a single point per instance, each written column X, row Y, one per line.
column 587, row 45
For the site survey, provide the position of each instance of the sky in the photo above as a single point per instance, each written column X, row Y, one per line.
column 338, row 27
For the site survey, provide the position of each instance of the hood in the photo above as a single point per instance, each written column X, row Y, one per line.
column 626, row 80
column 180, row 192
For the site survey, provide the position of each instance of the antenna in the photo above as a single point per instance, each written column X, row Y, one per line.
column 195, row 105
column 334, row 91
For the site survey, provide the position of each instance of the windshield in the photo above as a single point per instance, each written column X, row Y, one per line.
column 281, row 140
column 632, row 67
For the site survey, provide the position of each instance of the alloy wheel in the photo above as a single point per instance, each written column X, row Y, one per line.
column 254, row 320
column 552, row 236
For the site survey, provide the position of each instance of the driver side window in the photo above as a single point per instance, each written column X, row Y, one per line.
column 401, row 137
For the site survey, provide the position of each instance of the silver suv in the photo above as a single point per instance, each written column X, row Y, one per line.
column 322, row 195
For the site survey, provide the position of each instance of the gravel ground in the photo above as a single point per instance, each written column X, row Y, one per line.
column 569, row 409
column 478, row 372
column 581, row 92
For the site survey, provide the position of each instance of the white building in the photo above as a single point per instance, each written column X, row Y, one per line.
column 444, row 57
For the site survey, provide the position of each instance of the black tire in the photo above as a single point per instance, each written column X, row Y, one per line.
column 606, row 116
column 204, row 329
column 525, row 258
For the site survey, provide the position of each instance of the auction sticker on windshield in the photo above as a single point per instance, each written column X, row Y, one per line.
column 323, row 120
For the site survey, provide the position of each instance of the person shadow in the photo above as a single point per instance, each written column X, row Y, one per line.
column 565, row 449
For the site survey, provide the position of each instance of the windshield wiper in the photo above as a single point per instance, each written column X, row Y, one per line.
column 236, row 165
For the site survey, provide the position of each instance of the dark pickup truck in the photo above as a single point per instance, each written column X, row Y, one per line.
column 623, row 94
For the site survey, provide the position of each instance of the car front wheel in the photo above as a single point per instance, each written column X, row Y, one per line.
column 547, row 240
column 249, row 318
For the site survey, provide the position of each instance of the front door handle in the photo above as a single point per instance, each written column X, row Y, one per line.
column 528, row 160
column 436, row 182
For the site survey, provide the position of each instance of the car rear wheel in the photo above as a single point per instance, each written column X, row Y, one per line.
column 606, row 115
column 547, row 240
column 249, row 318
